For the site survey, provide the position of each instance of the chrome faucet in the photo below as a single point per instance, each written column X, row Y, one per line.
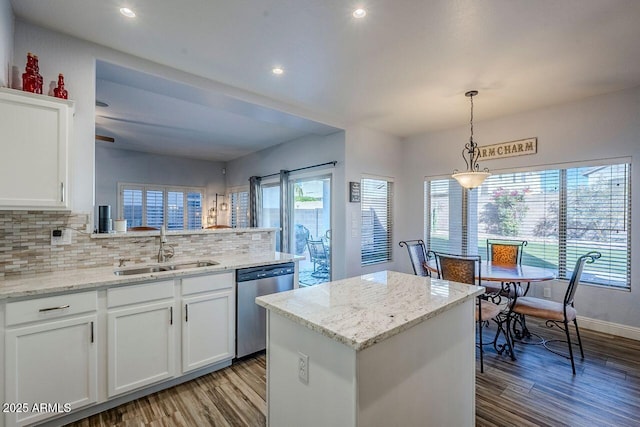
column 164, row 253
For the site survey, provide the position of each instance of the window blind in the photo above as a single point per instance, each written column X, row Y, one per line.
column 375, row 204
column 194, row 210
column 155, row 208
column 240, row 209
column 598, row 213
column 175, row 210
column 132, row 207
column 561, row 213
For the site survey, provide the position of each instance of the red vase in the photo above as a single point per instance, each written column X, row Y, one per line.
column 60, row 91
column 29, row 78
column 36, row 70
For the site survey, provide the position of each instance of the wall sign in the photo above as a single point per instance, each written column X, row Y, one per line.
column 354, row 192
column 501, row 150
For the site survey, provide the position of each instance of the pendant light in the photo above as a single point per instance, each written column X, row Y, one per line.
column 473, row 177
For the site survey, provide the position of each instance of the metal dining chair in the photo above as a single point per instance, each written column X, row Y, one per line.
column 555, row 313
column 466, row 269
column 417, row 255
column 505, row 252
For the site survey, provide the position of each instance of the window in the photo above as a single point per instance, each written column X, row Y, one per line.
column 376, row 196
column 562, row 213
column 240, row 209
column 178, row 207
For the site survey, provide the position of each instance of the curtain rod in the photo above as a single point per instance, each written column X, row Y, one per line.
column 299, row 169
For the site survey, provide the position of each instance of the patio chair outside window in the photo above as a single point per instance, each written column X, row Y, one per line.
column 320, row 258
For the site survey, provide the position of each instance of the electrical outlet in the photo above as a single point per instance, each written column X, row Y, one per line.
column 547, row 292
column 60, row 237
column 303, row 368
column 256, row 236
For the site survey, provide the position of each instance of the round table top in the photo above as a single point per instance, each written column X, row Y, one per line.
column 509, row 273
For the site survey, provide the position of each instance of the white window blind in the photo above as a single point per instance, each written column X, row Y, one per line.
column 155, row 208
column 177, row 207
column 194, row 210
column 375, row 202
column 240, row 209
column 132, row 206
column 175, row 210
column 561, row 213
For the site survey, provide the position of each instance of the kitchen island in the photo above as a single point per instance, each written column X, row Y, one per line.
column 383, row 349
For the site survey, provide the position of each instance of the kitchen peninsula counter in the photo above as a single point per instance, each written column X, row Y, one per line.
column 101, row 277
column 383, row 349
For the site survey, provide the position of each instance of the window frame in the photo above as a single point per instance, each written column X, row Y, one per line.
column 563, row 268
column 165, row 189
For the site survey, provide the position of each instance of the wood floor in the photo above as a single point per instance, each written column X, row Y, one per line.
column 538, row 389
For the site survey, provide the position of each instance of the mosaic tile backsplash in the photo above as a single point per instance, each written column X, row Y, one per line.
column 25, row 244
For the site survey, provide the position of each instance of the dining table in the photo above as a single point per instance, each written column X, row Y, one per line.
column 509, row 275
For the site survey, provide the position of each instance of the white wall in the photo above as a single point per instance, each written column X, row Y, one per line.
column 369, row 152
column 595, row 128
column 76, row 58
column 306, row 151
column 6, row 42
column 113, row 166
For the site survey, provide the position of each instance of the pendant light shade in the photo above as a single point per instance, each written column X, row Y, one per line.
column 472, row 177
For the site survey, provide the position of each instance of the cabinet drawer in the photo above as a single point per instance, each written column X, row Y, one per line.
column 45, row 308
column 134, row 294
column 210, row 282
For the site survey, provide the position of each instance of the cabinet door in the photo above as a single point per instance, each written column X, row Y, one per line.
column 35, row 133
column 140, row 346
column 52, row 363
column 208, row 329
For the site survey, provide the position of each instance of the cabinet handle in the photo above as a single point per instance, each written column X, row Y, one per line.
column 186, row 312
column 62, row 307
column 171, row 315
column 91, row 331
column 62, row 192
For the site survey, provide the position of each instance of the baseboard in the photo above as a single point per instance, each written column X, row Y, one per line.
column 610, row 328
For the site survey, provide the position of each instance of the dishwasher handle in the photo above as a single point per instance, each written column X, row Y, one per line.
column 256, row 273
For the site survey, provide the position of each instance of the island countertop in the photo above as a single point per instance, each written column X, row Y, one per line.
column 363, row 310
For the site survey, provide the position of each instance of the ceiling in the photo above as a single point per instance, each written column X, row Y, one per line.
column 403, row 69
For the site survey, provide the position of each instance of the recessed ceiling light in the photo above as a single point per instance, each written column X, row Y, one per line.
column 359, row 13
column 277, row 70
column 127, row 12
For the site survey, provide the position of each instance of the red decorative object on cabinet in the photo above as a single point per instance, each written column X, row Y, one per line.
column 29, row 78
column 36, row 69
column 60, row 91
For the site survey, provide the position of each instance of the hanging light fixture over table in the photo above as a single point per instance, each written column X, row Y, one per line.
column 473, row 177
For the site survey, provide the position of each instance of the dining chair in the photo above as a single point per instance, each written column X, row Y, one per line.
column 320, row 258
column 466, row 269
column 555, row 313
column 505, row 252
column 418, row 256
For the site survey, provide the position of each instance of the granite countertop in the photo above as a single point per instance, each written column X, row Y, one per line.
column 363, row 310
column 94, row 278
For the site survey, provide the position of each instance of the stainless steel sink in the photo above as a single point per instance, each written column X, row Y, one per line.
column 184, row 266
column 158, row 268
column 141, row 270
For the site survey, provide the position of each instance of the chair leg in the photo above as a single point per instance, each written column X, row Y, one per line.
column 566, row 330
column 575, row 323
column 479, row 322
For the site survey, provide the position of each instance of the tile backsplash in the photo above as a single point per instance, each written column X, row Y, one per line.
column 25, row 244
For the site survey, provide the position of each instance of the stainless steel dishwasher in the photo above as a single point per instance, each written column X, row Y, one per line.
column 251, row 319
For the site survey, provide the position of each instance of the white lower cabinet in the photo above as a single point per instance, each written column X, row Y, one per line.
column 50, row 358
column 140, row 341
column 208, row 324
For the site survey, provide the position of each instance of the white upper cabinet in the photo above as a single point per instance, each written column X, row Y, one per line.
column 36, row 137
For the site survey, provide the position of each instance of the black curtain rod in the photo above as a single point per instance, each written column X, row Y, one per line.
column 300, row 169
